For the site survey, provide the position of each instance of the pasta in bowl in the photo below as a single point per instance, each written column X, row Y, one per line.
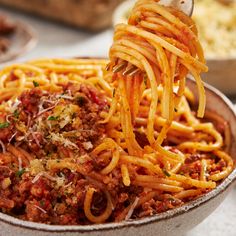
column 88, row 144
column 46, row 180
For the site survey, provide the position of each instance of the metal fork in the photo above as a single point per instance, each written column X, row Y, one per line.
column 128, row 69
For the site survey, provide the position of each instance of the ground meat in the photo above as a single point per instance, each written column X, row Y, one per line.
column 193, row 169
column 30, row 100
column 48, row 182
column 5, row 159
column 94, row 95
column 123, row 197
column 6, row 203
column 192, row 158
column 217, row 167
column 167, row 204
column 40, row 189
column 141, row 138
column 34, row 212
column 6, row 133
column 52, row 126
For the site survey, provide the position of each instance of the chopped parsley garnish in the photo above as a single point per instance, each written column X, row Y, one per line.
column 166, row 173
column 81, row 100
column 42, row 203
column 171, row 199
column 19, row 173
column 36, row 84
column 145, row 80
column 16, row 114
column 4, row 125
column 53, row 117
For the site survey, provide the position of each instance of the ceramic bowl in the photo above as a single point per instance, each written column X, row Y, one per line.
column 222, row 72
column 173, row 222
column 22, row 40
column 222, row 75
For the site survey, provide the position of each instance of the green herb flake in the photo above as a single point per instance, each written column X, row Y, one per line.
column 166, row 173
column 171, row 199
column 36, row 84
column 42, row 203
column 4, row 125
column 52, row 117
column 214, row 157
column 176, row 110
column 19, row 173
column 114, row 92
column 16, row 114
column 145, row 80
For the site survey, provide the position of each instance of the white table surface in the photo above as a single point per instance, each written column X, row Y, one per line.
column 55, row 40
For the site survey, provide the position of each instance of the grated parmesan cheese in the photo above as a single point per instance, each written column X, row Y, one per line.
column 36, row 167
column 65, row 142
column 216, row 23
column 131, row 210
column 88, row 145
column 41, row 209
column 6, row 183
column 3, row 147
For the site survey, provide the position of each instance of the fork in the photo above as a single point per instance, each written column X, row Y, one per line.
column 185, row 6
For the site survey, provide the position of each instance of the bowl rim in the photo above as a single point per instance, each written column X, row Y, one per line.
column 139, row 222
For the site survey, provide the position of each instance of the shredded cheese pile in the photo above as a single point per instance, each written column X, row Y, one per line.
column 216, row 24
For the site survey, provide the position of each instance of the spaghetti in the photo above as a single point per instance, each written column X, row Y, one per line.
column 81, row 145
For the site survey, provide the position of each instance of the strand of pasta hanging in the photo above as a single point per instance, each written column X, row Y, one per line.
column 158, row 47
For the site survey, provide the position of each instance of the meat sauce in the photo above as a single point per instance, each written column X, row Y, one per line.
column 59, row 126
column 50, row 125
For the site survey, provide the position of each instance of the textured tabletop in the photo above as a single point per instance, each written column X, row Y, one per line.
column 61, row 41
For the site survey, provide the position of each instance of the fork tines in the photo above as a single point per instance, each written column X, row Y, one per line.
column 124, row 67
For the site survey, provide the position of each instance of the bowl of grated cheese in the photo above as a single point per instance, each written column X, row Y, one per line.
column 216, row 22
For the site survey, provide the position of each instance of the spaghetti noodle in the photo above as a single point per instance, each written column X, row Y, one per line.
column 81, row 145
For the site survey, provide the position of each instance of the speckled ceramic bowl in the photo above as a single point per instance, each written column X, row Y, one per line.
column 173, row 222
